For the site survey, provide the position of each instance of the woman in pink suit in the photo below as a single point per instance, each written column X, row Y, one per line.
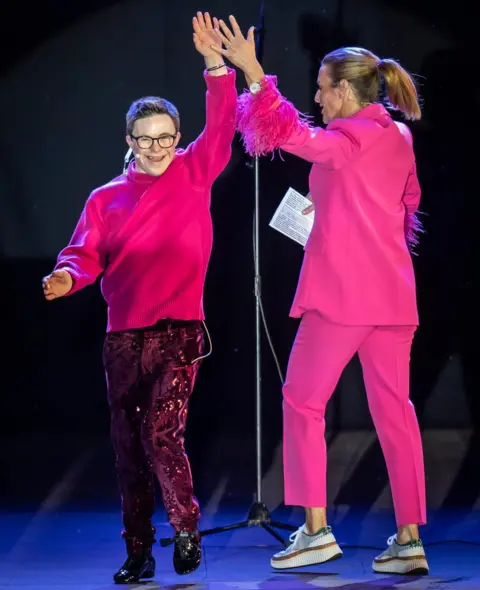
column 356, row 292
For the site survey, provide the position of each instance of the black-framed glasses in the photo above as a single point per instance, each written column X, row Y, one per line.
column 145, row 142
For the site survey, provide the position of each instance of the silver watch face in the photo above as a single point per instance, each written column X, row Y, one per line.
column 255, row 87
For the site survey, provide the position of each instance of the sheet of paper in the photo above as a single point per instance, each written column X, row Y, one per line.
column 289, row 220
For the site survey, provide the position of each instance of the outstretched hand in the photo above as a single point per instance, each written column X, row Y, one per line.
column 238, row 49
column 204, row 36
column 57, row 284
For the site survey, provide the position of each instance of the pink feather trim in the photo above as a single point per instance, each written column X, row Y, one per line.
column 413, row 227
column 267, row 120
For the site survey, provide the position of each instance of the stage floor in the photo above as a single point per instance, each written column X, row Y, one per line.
column 51, row 549
column 60, row 521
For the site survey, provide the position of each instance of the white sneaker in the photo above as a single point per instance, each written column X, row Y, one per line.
column 307, row 549
column 402, row 559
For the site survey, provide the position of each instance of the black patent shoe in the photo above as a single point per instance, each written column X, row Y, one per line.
column 135, row 568
column 187, row 553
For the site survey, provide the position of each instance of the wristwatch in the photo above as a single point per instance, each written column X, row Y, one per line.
column 255, row 87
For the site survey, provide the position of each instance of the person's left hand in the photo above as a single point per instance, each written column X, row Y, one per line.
column 204, row 35
column 311, row 207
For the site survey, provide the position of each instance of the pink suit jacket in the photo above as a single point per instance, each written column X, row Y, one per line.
column 357, row 268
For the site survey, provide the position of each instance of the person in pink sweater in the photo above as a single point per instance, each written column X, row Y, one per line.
column 356, row 292
column 149, row 231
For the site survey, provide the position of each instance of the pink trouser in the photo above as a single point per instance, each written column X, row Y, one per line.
column 320, row 353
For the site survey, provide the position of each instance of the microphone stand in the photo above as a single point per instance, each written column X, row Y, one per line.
column 258, row 515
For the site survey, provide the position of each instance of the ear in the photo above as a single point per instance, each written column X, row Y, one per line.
column 344, row 87
column 177, row 139
column 129, row 141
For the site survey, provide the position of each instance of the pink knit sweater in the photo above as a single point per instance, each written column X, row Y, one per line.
column 151, row 237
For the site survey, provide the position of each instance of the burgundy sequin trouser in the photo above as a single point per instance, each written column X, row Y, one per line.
column 150, row 377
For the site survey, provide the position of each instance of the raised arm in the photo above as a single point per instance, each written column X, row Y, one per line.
column 268, row 121
column 211, row 151
column 83, row 259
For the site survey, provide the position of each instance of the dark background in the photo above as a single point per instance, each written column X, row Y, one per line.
column 69, row 73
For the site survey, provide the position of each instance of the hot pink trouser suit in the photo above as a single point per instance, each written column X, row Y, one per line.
column 356, row 294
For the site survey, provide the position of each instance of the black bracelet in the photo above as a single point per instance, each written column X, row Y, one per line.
column 216, row 67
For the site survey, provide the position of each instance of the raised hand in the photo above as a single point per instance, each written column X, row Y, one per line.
column 204, row 35
column 238, row 49
column 57, row 284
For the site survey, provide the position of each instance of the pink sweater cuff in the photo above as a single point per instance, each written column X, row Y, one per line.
column 217, row 84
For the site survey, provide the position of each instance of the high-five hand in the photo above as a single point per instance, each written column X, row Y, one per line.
column 204, row 35
column 238, row 49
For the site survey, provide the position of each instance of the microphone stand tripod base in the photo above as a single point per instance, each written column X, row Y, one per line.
column 258, row 516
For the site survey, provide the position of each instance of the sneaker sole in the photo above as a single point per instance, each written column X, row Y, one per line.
column 407, row 567
column 313, row 556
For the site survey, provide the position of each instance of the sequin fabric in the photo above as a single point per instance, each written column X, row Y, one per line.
column 150, row 377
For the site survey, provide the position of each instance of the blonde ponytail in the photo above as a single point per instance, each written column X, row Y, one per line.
column 400, row 88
